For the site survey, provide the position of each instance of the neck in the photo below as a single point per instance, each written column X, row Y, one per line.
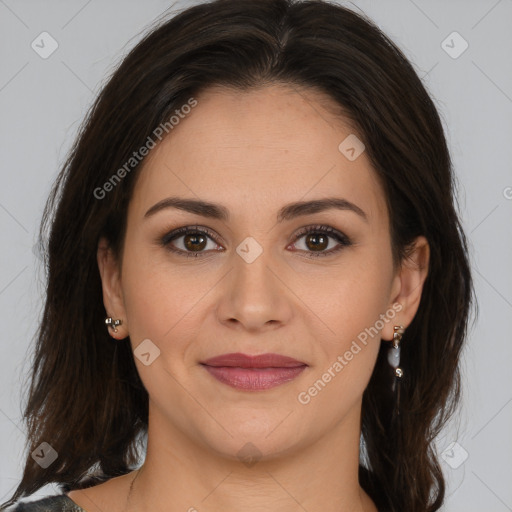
column 181, row 474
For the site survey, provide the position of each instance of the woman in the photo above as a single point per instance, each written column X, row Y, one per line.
column 254, row 258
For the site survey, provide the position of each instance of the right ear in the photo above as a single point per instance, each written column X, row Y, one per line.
column 110, row 274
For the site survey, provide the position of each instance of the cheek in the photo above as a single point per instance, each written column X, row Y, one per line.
column 346, row 359
column 165, row 302
column 354, row 307
column 350, row 296
column 155, row 300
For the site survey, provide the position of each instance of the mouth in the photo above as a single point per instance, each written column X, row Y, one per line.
column 254, row 373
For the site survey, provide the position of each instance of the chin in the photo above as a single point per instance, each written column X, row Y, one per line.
column 251, row 441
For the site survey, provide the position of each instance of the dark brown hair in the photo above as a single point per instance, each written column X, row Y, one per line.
column 86, row 398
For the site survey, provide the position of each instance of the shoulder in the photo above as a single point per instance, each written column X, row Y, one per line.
column 59, row 503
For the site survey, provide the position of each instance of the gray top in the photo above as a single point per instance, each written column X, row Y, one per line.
column 59, row 503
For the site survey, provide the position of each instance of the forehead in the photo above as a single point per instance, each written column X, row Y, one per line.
column 271, row 145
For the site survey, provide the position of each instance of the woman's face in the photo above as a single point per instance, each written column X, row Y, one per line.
column 254, row 283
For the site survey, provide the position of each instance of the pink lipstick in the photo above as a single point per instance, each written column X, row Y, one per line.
column 253, row 373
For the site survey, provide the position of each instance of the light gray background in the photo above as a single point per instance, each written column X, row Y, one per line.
column 43, row 101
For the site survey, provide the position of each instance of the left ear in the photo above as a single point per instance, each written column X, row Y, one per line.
column 408, row 285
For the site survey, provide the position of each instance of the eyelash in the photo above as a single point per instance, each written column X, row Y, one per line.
column 342, row 239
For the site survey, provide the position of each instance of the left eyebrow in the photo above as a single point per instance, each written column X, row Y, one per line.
column 287, row 212
column 292, row 210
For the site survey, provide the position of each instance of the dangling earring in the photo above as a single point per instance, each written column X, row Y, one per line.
column 113, row 323
column 394, row 361
column 394, row 351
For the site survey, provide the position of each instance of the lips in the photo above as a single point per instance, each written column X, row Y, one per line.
column 260, row 361
column 253, row 373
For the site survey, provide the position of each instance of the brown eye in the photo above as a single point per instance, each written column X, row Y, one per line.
column 318, row 238
column 195, row 242
column 188, row 241
column 317, row 241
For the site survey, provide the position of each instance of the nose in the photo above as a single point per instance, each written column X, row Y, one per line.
column 255, row 296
